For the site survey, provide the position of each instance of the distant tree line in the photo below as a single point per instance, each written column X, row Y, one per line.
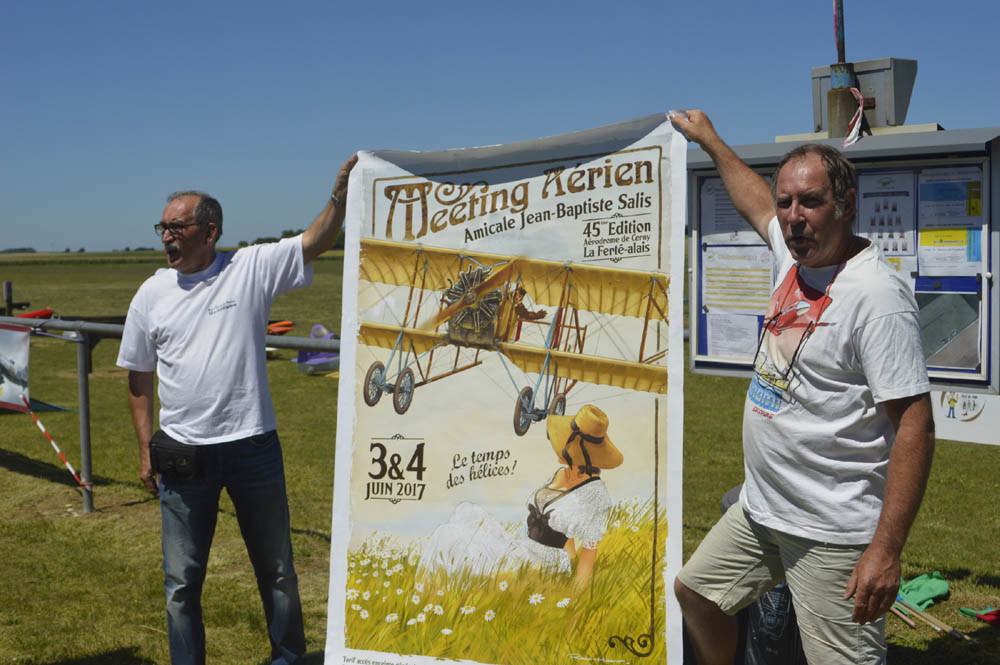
column 287, row 233
column 290, row 233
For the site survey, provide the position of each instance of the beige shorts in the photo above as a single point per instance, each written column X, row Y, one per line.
column 739, row 560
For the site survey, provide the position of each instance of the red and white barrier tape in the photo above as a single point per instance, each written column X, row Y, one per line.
column 854, row 126
column 49, row 437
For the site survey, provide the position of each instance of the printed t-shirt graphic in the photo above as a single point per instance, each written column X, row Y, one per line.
column 795, row 311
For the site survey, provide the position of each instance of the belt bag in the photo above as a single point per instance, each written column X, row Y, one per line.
column 173, row 458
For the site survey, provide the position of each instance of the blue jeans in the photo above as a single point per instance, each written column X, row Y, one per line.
column 253, row 474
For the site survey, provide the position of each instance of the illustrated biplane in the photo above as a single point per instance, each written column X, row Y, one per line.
column 477, row 302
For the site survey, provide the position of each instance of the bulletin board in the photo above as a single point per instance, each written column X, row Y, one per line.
column 925, row 199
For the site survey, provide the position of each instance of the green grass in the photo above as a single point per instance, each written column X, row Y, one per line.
column 88, row 590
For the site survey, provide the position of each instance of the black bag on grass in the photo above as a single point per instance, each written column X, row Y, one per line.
column 772, row 634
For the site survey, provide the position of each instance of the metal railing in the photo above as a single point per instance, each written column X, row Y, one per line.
column 86, row 335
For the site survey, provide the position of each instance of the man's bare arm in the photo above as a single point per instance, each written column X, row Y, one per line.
column 875, row 580
column 140, row 403
column 324, row 230
column 749, row 191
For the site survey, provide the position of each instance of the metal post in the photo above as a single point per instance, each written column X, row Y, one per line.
column 838, row 29
column 840, row 102
column 83, row 388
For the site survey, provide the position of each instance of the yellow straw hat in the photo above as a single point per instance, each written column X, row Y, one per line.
column 582, row 440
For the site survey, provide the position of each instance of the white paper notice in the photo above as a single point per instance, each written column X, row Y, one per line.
column 906, row 266
column 731, row 335
column 972, row 417
column 886, row 214
column 951, row 198
column 736, row 279
column 950, row 252
column 720, row 223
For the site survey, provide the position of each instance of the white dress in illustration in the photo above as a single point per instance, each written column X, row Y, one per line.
column 476, row 542
column 565, row 519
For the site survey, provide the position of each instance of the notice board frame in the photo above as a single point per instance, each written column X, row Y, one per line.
column 900, row 152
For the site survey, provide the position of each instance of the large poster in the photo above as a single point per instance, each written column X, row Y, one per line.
column 14, row 348
column 508, row 467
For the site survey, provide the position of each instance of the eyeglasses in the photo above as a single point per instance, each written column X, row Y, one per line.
column 172, row 229
column 780, row 378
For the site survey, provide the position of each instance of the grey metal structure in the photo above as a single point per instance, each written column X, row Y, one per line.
column 923, row 145
column 885, row 83
column 87, row 334
column 874, row 154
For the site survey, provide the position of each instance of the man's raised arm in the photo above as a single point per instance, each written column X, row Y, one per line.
column 749, row 191
column 324, row 230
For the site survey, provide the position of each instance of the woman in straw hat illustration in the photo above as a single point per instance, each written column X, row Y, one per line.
column 571, row 506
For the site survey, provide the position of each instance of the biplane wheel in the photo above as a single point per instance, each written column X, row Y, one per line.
column 373, row 383
column 402, row 395
column 522, row 418
column 558, row 406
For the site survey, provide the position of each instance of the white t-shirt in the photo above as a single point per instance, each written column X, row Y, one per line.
column 816, row 442
column 204, row 332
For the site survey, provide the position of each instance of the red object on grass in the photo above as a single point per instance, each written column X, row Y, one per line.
column 38, row 314
column 279, row 327
column 991, row 617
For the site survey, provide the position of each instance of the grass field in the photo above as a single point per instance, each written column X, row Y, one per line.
column 88, row 590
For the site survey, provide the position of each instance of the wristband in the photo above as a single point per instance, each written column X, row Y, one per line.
column 336, row 201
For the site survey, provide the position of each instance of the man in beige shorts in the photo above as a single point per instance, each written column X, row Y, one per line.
column 837, row 428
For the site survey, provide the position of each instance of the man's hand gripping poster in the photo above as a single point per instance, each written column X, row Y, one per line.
column 508, row 479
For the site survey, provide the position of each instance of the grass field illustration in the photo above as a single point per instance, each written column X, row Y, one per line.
column 511, row 617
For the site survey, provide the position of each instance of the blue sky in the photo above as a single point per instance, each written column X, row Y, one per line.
column 108, row 106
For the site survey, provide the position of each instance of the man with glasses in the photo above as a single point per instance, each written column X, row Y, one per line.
column 200, row 325
column 837, row 428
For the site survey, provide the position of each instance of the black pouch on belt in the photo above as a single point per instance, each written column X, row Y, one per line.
column 173, row 458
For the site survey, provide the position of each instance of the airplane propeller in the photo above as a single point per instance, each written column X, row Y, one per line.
column 471, row 296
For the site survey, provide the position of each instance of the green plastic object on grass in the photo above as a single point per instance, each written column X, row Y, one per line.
column 922, row 591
